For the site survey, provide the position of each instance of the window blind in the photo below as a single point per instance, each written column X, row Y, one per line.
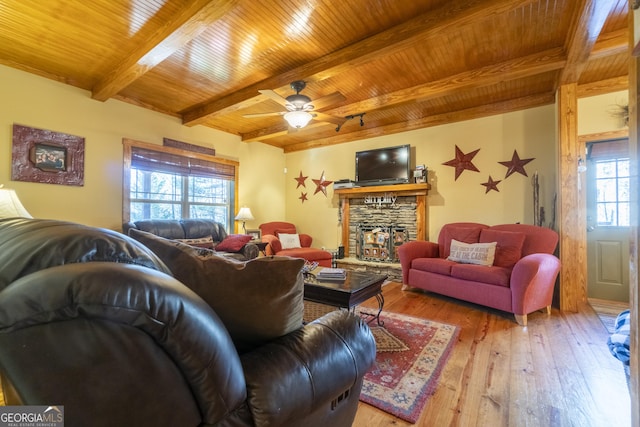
column 152, row 160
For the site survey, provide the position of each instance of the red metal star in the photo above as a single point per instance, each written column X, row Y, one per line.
column 301, row 179
column 463, row 162
column 303, row 197
column 321, row 184
column 516, row 165
column 491, row 185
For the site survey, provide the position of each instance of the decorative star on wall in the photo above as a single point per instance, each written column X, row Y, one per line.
column 321, row 184
column 491, row 185
column 301, row 179
column 303, row 197
column 516, row 165
column 463, row 162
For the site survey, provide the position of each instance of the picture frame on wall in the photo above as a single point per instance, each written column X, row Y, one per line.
column 255, row 234
column 46, row 156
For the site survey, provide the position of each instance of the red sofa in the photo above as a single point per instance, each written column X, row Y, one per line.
column 520, row 280
column 270, row 232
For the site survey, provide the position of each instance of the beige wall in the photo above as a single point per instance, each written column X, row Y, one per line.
column 265, row 187
column 530, row 132
column 597, row 113
column 42, row 103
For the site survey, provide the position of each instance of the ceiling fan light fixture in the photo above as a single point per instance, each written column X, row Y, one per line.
column 298, row 119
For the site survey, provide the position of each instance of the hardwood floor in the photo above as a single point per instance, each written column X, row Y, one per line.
column 557, row 371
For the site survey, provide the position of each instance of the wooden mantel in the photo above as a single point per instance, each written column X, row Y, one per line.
column 418, row 190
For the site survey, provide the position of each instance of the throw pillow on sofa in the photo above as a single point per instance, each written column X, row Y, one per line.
column 461, row 234
column 508, row 248
column 257, row 300
column 472, row 253
column 233, row 243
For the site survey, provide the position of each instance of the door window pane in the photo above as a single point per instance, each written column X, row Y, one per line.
column 612, row 192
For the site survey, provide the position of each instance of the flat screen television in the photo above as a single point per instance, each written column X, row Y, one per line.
column 391, row 165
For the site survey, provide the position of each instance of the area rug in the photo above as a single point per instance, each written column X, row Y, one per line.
column 411, row 353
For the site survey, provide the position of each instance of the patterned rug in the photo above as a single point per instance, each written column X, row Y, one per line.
column 411, row 353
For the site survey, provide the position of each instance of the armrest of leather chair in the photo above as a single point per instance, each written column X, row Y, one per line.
column 297, row 374
column 124, row 331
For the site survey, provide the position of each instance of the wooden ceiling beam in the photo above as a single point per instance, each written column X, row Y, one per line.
column 192, row 20
column 549, row 60
column 452, row 16
column 582, row 36
column 611, row 43
column 436, row 120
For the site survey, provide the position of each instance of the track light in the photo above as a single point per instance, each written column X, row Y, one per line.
column 349, row 117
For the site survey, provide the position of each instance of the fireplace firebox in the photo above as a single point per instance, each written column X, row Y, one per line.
column 380, row 243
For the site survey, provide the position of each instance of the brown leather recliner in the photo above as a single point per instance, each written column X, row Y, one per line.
column 91, row 320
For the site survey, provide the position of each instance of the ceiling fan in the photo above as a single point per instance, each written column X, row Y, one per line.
column 299, row 108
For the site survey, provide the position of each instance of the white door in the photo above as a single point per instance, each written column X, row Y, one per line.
column 608, row 220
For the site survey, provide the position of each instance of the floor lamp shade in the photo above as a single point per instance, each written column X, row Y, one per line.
column 10, row 205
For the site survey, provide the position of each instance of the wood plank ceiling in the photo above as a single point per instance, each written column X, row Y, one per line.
column 405, row 64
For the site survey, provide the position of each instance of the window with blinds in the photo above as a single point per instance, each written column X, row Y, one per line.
column 168, row 183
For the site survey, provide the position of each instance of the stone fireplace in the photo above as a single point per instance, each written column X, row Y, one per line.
column 376, row 220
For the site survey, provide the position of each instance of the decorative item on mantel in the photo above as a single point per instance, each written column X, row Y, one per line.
column 321, row 184
column 420, row 174
column 463, row 162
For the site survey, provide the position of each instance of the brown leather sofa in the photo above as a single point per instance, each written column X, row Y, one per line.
column 193, row 230
column 93, row 320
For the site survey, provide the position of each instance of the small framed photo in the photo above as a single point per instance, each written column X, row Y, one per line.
column 48, row 157
column 255, row 234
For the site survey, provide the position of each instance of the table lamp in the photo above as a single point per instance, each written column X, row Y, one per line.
column 10, row 205
column 244, row 215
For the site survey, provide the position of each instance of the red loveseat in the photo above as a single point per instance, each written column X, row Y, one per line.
column 520, row 280
column 270, row 233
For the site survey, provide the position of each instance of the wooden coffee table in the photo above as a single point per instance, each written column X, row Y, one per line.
column 358, row 287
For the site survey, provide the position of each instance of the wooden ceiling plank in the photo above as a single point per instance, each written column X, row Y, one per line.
column 452, row 16
column 615, row 84
column 582, row 36
column 549, row 60
column 611, row 43
column 450, row 117
column 192, row 20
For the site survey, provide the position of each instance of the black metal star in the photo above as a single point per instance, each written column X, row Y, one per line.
column 491, row 185
column 516, row 165
column 463, row 162
column 321, row 184
column 301, row 179
column 303, row 197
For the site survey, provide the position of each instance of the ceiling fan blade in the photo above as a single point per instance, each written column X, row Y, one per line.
column 274, row 96
column 265, row 114
column 328, row 118
column 325, row 101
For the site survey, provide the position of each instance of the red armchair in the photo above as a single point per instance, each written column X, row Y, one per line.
column 296, row 245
